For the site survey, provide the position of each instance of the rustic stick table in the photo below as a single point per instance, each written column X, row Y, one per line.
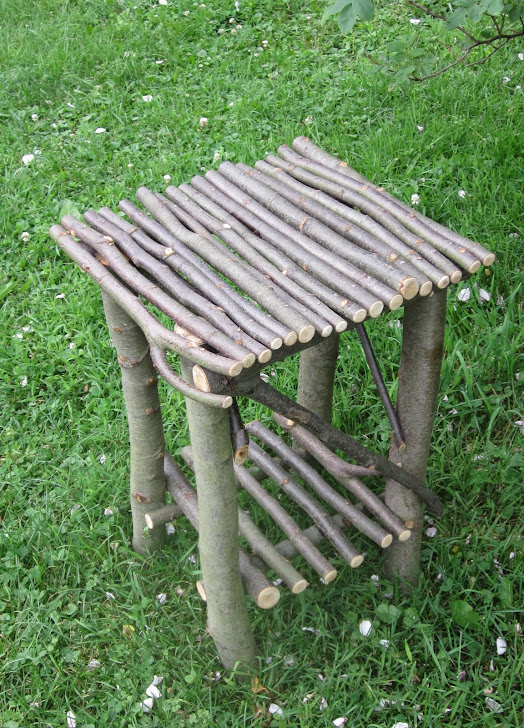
column 254, row 265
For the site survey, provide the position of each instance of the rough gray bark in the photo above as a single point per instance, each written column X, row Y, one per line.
column 218, row 531
column 316, row 377
column 422, row 347
column 146, row 433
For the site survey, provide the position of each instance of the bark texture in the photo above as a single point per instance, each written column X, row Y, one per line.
column 146, row 433
column 316, row 377
column 419, row 375
column 227, row 614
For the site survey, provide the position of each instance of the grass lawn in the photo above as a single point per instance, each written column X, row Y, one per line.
column 107, row 96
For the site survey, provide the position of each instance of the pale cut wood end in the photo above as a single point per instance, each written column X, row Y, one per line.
column 386, row 541
column 264, row 356
column 241, row 454
column 149, row 521
column 275, row 343
column 404, row 536
column 235, row 369
column 330, row 576
column 356, row 561
column 376, row 308
column 200, row 379
column 326, row 331
column 201, row 590
column 456, row 276
column 268, row 597
column 473, row 268
column 425, row 288
column 306, row 333
column 228, row 401
column 361, row 314
column 291, row 338
column 409, row 288
column 342, row 325
column 248, row 360
column 488, row 259
column 443, row 282
column 395, row 302
column 299, row 586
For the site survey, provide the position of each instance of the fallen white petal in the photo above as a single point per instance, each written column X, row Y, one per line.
column 420, row 128
column 153, row 692
column 147, row 705
column 23, row 382
column 170, row 529
column 161, row 598
column 431, row 532
column 321, row 677
column 519, row 423
column 60, row 295
column 102, row 459
column 108, row 512
column 157, row 680
column 147, row 98
column 203, row 122
column 275, row 709
column 415, row 199
column 93, row 665
column 340, row 722
column 400, row 725
column 109, row 595
column 464, row 294
column 501, row 646
column 494, row 706
column 28, row 158
column 365, row 627
column 520, row 56
column 99, row 130
column 484, row 295
column 385, row 643
column 462, row 193
column 323, row 704
column 70, row 719
column 375, row 577
column 414, row 21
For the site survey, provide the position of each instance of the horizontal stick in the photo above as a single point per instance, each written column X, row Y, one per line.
column 381, row 387
column 179, row 257
column 263, row 393
column 461, row 256
column 225, row 207
column 104, row 245
column 228, row 264
column 301, row 253
column 359, row 520
column 309, row 504
column 380, row 217
column 157, row 335
column 350, row 242
column 263, row 593
column 275, row 167
column 173, row 282
column 304, row 146
column 162, row 515
column 317, row 239
column 345, row 474
column 196, row 218
column 290, row 527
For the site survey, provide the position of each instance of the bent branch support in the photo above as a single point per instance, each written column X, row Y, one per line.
column 422, row 346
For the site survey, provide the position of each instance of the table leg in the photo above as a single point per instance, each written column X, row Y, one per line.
column 316, row 377
column 419, row 375
column 227, row 615
column 146, row 434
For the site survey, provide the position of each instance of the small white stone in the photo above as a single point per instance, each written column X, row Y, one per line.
column 167, row 178
column 501, row 646
column 431, row 532
column 365, row 627
column 27, row 159
column 153, row 692
column 520, row 56
column 34, row 117
column 338, row 722
column 275, row 709
column 414, row 21
column 147, row 705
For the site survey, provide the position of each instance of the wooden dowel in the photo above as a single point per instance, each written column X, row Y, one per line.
column 328, row 272
column 263, row 593
column 179, row 257
column 381, row 387
column 161, row 516
column 461, row 256
column 290, row 527
column 228, row 264
column 224, row 208
column 274, row 168
column 309, row 504
column 393, row 226
column 239, row 436
column 359, row 520
column 317, row 237
column 195, row 218
column 345, row 474
column 155, row 332
column 350, row 242
column 305, row 146
column 173, row 283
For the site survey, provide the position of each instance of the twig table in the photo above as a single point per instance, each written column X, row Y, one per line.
column 254, row 265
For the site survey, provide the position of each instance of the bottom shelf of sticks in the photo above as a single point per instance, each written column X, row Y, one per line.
column 296, row 481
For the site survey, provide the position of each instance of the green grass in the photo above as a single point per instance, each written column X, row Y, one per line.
column 81, row 66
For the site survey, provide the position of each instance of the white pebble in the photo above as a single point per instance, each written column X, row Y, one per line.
column 147, row 705
column 501, row 646
column 147, row 98
column 153, row 692
column 365, row 627
column 275, row 709
column 99, row 130
column 28, row 158
column 431, row 532
column 340, row 722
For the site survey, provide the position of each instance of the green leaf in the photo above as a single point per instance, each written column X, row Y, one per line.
column 337, row 7
column 506, row 592
column 410, row 617
column 463, row 614
column 347, row 19
column 365, row 9
column 456, row 18
column 387, row 613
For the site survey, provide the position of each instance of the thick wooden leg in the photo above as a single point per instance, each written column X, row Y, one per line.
column 316, row 377
column 227, row 615
column 146, row 434
column 419, row 375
